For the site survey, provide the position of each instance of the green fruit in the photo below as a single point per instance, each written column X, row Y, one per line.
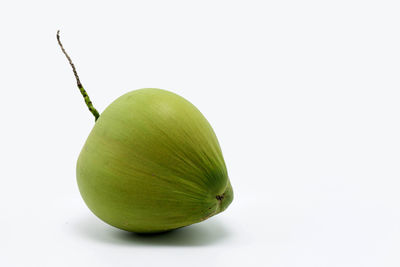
column 152, row 163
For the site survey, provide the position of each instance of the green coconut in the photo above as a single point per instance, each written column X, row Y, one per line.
column 151, row 163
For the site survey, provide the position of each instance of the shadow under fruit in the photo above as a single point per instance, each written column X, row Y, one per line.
column 151, row 163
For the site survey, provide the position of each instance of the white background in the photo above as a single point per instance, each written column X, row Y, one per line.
column 304, row 97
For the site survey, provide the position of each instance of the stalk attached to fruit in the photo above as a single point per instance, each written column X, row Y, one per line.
column 151, row 163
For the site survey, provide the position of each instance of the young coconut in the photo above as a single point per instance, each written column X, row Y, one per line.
column 151, row 163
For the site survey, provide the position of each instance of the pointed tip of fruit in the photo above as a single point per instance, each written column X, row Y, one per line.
column 224, row 199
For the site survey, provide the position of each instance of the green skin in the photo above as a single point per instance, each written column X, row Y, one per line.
column 152, row 163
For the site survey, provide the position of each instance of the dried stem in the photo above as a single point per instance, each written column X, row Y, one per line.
column 83, row 92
